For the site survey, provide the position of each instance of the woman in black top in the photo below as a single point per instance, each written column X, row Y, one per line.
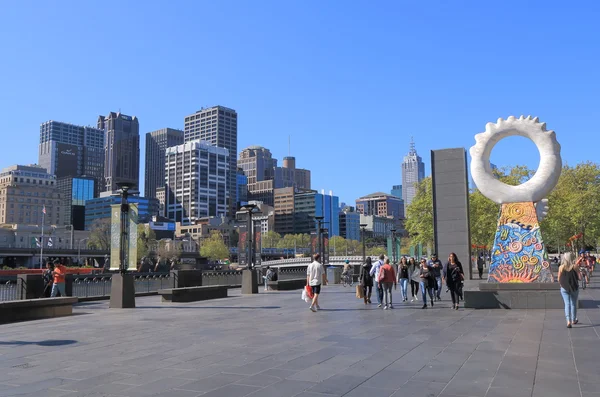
column 454, row 276
column 413, row 273
column 568, row 277
column 403, row 276
column 366, row 280
column 427, row 283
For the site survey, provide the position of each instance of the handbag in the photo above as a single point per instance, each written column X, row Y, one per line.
column 360, row 293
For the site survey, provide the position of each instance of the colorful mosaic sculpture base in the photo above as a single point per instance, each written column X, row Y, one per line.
column 519, row 254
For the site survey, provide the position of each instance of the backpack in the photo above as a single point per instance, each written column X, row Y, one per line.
column 381, row 274
column 455, row 275
column 271, row 275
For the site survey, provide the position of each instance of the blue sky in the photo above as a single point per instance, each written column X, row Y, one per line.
column 349, row 81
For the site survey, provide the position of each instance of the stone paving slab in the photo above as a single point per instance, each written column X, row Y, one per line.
column 270, row 344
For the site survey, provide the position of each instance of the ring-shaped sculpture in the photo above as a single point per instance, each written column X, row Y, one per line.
column 518, row 254
column 545, row 178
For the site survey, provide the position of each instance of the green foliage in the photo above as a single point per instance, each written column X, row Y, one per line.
column 214, row 247
column 145, row 236
column 100, row 235
column 270, row 239
column 376, row 251
column 419, row 222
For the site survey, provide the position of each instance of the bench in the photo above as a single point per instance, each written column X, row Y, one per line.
column 193, row 294
column 287, row 285
column 35, row 309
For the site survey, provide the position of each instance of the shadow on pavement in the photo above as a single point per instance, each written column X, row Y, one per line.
column 51, row 342
column 211, row 307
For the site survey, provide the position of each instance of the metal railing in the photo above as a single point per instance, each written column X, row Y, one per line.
column 8, row 290
column 98, row 286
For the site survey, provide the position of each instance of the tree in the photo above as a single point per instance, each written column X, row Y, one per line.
column 419, row 222
column 287, row 242
column 100, row 235
column 483, row 217
column 213, row 247
column 354, row 247
column 270, row 239
column 145, row 237
column 338, row 245
column 376, row 251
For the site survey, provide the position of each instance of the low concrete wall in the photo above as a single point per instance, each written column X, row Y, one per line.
column 186, row 278
column 287, row 285
column 35, row 309
column 193, row 294
column 515, row 296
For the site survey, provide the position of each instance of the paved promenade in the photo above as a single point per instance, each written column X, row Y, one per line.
column 271, row 345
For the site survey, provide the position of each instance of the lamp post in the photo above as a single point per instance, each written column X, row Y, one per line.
column 249, row 208
column 79, row 249
column 319, row 220
column 249, row 277
column 363, row 226
column 393, row 230
column 122, row 290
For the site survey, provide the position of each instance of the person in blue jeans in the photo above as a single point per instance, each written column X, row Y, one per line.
column 568, row 278
column 436, row 268
column 403, row 276
column 427, row 283
column 375, row 274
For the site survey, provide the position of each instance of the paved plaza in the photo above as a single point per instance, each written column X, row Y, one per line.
column 271, row 345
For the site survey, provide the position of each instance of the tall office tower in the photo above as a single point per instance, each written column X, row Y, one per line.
column 413, row 172
column 259, row 166
column 157, row 143
column 397, row 191
column 121, row 150
column 26, row 191
column 217, row 126
column 196, row 182
column 69, row 150
column 289, row 175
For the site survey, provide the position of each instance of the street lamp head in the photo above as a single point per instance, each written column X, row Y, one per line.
column 319, row 218
column 363, row 225
column 248, row 207
column 393, row 230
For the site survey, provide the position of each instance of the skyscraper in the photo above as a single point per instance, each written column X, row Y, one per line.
column 196, row 177
column 69, row 150
column 217, row 126
column 157, row 143
column 122, row 150
column 413, row 172
column 397, row 191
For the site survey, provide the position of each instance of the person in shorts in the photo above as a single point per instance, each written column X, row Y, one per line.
column 315, row 276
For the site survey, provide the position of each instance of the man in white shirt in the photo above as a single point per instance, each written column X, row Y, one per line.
column 315, row 274
column 375, row 274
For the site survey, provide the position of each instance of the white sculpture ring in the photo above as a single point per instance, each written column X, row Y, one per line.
column 546, row 176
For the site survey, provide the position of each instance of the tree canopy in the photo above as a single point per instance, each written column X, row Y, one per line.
column 213, row 247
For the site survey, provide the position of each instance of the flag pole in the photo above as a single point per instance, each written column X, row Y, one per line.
column 42, row 239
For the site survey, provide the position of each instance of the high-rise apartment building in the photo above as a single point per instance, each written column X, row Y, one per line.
column 196, row 181
column 413, row 172
column 217, row 126
column 381, row 204
column 306, row 204
column 121, row 150
column 350, row 224
column 157, row 143
column 284, row 210
column 69, row 150
column 25, row 192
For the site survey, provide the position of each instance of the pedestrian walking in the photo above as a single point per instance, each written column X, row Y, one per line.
column 568, row 278
column 415, row 278
column 454, row 277
column 315, row 276
column 387, row 278
column 366, row 280
column 59, row 274
column 427, row 283
column 48, row 279
column 437, row 268
column 480, row 263
column 375, row 274
column 403, row 277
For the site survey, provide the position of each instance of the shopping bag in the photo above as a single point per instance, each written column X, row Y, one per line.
column 360, row 292
column 305, row 296
column 309, row 292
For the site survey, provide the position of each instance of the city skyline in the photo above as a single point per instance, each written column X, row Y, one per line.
column 457, row 97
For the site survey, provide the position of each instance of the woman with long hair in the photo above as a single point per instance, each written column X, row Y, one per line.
column 366, row 280
column 454, row 276
column 403, row 276
column 568, row 278
column 427, row 283
column 413, row 272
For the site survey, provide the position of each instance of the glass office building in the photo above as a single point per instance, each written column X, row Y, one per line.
column 99, row 208
column 75, row 191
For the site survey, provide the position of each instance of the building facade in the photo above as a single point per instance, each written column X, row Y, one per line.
column 26, row 191
column 121, row 150
column 196, row 182
column 381, row 204
column 157, row 143
column 98, row 209
column 75, row 192
column 350, row 225
column 284, row 209
column 378, row 226
column 413, row 172
column 397, row 191
column 241, row 188
column 72, row 150
column 309, row 204
column 217, row 126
